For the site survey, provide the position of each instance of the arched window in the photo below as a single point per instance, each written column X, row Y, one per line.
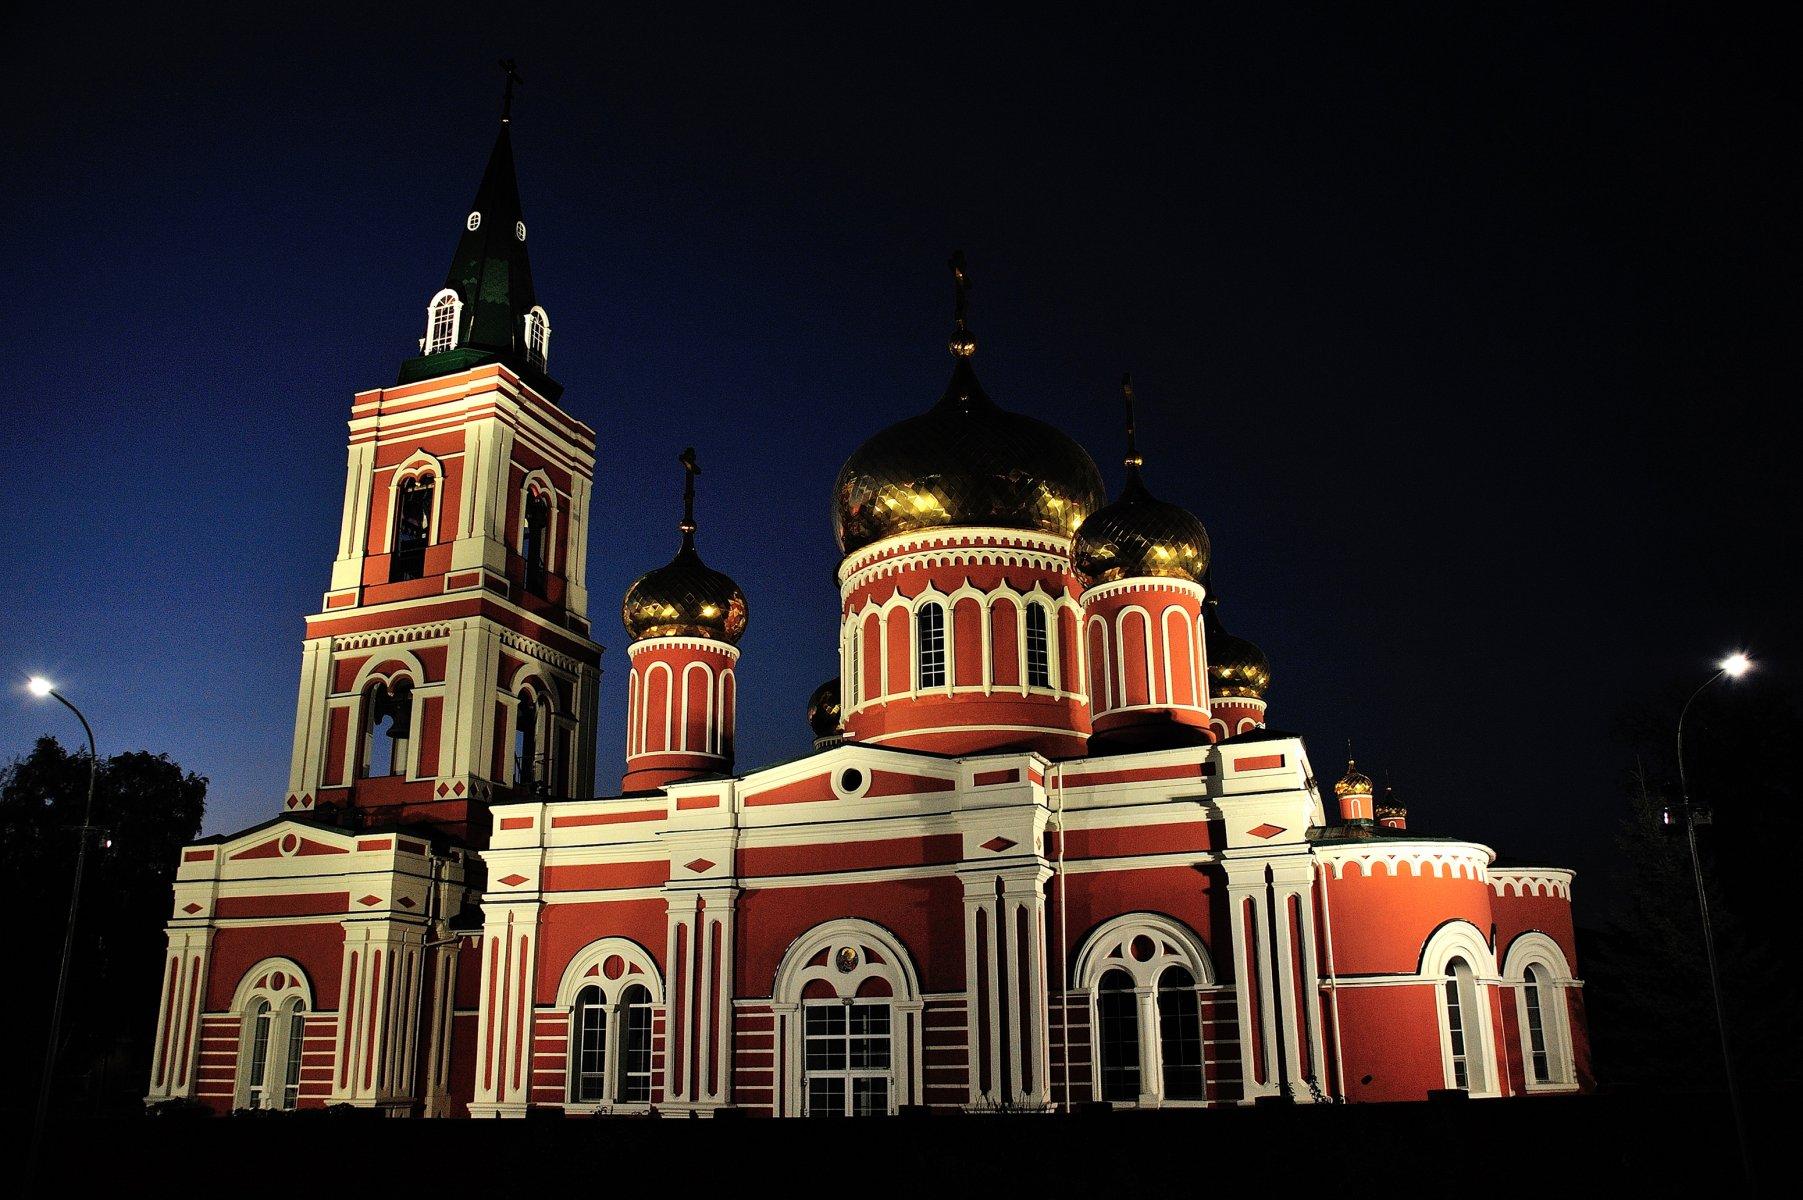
column 1460, row 993
column 412, row 527
column 849, row 1018
column 1537, row 968
column 1039, row 656
column 388, row 725
column 441, row 322
column 1180, row 1034
column 930, row 638
column 538, row 337
column 609, row 990
column 1117, row 1036
column 588, row 1047
column 529, row 722
column 1533, row 994
column 1145, row 975
column 273, row 1002
column 535, row 541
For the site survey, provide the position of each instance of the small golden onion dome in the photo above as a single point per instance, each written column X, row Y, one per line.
column 965, row 461
column 1236, row 667
column 1354, row 783
column 1139, row 536
column 1390, row 808
column 685, row 598
column 823, row 709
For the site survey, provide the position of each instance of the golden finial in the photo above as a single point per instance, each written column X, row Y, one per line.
column 1134, row 462
column 690, row 469
column 1353, row 783
column 963, row 343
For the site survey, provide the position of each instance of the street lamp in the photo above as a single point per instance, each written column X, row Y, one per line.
column 41, row 687
column 1734, row 666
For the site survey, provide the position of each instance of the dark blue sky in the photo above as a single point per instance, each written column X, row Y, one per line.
column 1464, row 332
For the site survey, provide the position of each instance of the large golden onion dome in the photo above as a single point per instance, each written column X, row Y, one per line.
column 1236, row 667
column 685, row 597
column 1139, row 536
column 823, row 709
column 1354, row 783
column 965, row 461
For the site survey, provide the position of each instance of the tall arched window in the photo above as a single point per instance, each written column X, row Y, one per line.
column 1533, row 993
column 1180, row 1034
column 930, row 638
column 273, row 1002
column 1460, row 994
column 412, row 527
column 1039, row 655
column 441, row 322
column 1538, row 969
column 388, row 723
column 535, row 541
column 588, row 1047
column 529, row 722
column 609, row 990
column 1117, row 1036
column 1145, row 975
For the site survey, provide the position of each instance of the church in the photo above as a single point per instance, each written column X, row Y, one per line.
column 1045, row 852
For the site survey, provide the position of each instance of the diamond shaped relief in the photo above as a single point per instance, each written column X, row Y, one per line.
column 370, row 900
column 513, row 880
column 697, row 865
column 190, row 908
column 444, row 789
column 996, row 845
column 1267, row 830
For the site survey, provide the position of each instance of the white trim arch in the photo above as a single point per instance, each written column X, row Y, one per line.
column 707, row 716
column 1535, row 952
column 612, row 967
column 537, row 478
column 1452, row 943
column 271, row 1003
column 416, row 464
column 437, row 340
column 1144, row 946
column 853, row 961
column 537, row 322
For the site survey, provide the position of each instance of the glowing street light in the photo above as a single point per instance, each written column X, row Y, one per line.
column 38, row 686
column 1734, row 666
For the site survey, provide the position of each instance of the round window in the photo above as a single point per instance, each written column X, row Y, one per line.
column 475, row 222
column 851, row 779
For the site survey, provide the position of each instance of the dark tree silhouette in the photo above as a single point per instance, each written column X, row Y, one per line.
column 148, row 807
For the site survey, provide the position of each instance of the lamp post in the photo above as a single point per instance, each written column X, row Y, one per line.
column 41, row 687
column 1733, row 667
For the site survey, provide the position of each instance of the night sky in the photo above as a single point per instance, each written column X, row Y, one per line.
column 1464, row 331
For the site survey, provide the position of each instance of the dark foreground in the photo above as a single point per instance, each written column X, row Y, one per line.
column 1664, row 1144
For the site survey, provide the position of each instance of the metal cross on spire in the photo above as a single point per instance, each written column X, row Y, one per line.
column 1133, row 459
column 963, row 344
column 513, row 77
column 690, row 469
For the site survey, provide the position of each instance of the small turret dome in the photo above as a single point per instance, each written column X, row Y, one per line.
column 823, row 709
column 685, row 597
column 1139, row 536
column 1353, row 783
column 1236, row 667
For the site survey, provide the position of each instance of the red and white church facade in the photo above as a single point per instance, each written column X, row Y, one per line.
column 1045, row 851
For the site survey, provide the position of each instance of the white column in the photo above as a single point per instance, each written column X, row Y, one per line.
column 186, row 968
column 353, row 533
column 504, row 1029
column 307, row 764
column 1252, row 984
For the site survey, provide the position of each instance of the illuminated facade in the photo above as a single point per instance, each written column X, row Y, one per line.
column 1045, row 851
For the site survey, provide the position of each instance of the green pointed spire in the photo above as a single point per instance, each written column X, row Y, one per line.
column 491, row 275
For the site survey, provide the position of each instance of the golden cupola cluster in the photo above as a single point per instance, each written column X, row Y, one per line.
column 966, row 461
column 685, row 597
column 1140, row 536
column 1353, row 783
column 1236, row 667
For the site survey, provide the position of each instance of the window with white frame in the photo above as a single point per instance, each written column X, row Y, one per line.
column 1533, row 994
column 1537, row 968
column 273, row 1001
column 1460, row 997
column 930, row 637
column 387, row 727
column 1145, row 976
column 610, row 1027
column 535, row 541
column 413, row 505
column 538, row 337
column 847, row 1057
column 441, row 322
column 1039, row 654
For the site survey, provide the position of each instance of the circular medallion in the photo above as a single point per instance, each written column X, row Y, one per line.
column 846, row 960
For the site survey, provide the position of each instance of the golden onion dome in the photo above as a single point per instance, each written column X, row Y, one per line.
column 685, row 597
column 1353, row 783
column 1390, row 808
column 823, row 709
column 966, row 461
column 1236, row 667
column 1139, row 536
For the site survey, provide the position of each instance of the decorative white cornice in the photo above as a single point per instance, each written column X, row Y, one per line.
column 430, row 632
column 955, row 546
column 1103, row 591
column 537, row 650
column 1441, row 860
column 1532, row 881
column 710, row 645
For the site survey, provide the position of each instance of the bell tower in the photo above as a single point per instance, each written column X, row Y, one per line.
column 451, row 662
